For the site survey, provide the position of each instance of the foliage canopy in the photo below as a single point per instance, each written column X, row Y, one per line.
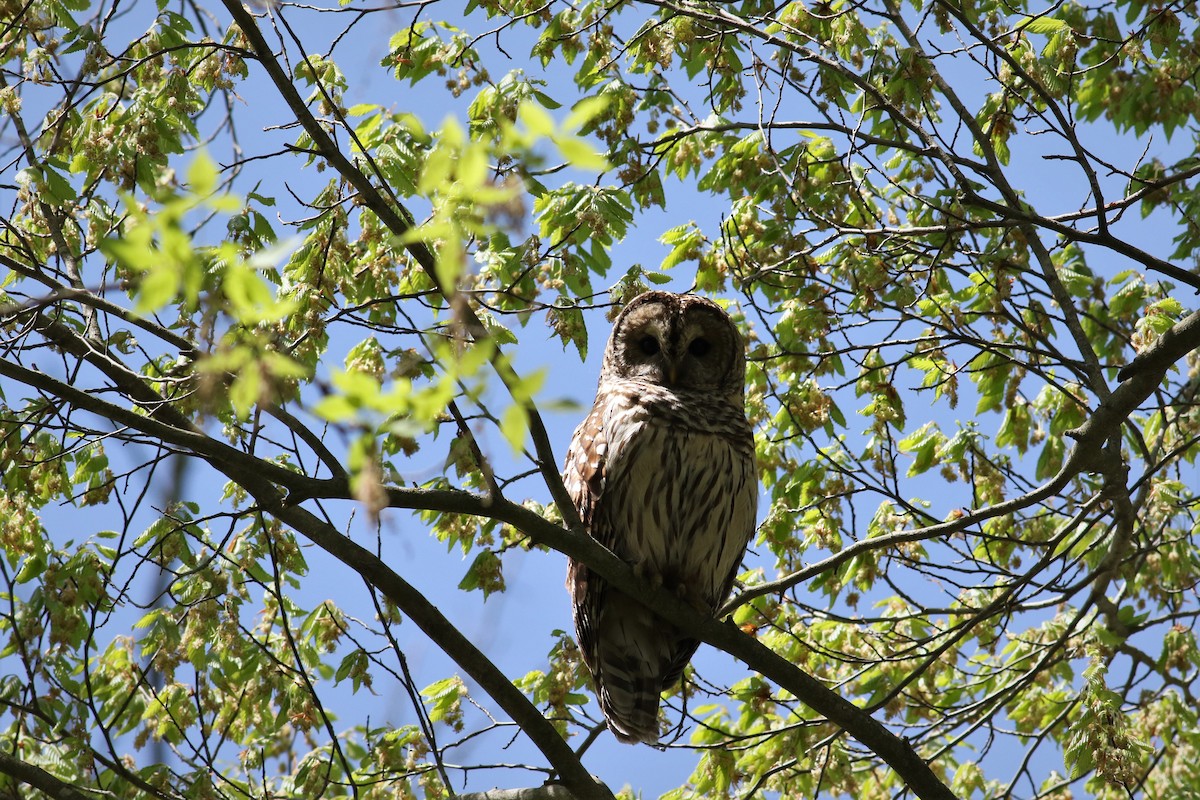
column 249, row 301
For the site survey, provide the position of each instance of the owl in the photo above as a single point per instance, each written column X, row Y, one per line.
column 662, row 473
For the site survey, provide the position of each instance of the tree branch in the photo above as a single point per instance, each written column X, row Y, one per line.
column 61, row 292
column 39, row 779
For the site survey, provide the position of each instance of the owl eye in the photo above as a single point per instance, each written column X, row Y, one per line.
column 699, row 347
column 648, row 345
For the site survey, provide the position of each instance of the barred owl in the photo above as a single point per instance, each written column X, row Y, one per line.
column 662, row 473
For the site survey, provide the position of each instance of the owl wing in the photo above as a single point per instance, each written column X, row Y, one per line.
column 583, row 476
column 587, row 457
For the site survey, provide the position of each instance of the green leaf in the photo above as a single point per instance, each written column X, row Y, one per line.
column 245, row 391
column 580, row 154
column 1044, row 25
column 514, row 425
column 536, row 120
column 443, row 698
column 546, row 100
column 472, row 170
column 251, row 299
column 157, row 288
column 1050, row 460
column 436, row 171
column 202, row 175
column 34, row 566
column 58, row 190
column 585, row 111
column 923, row 445
column 484, row 574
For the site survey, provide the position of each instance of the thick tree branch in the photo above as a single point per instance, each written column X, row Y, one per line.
column 39, row 779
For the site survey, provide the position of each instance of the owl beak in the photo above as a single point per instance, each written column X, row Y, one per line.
column 672, row 374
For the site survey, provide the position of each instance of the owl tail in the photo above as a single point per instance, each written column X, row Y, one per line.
column 635, row 653
column 630, row 703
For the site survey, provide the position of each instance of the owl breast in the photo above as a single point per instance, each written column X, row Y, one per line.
column 682, row 494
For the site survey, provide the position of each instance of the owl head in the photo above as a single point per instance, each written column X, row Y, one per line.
column 678, row 341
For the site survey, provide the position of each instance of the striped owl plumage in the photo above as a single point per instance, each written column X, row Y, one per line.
column 662, row 473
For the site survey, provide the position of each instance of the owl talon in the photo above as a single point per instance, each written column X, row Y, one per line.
column 647, row 575
column 693, row 598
